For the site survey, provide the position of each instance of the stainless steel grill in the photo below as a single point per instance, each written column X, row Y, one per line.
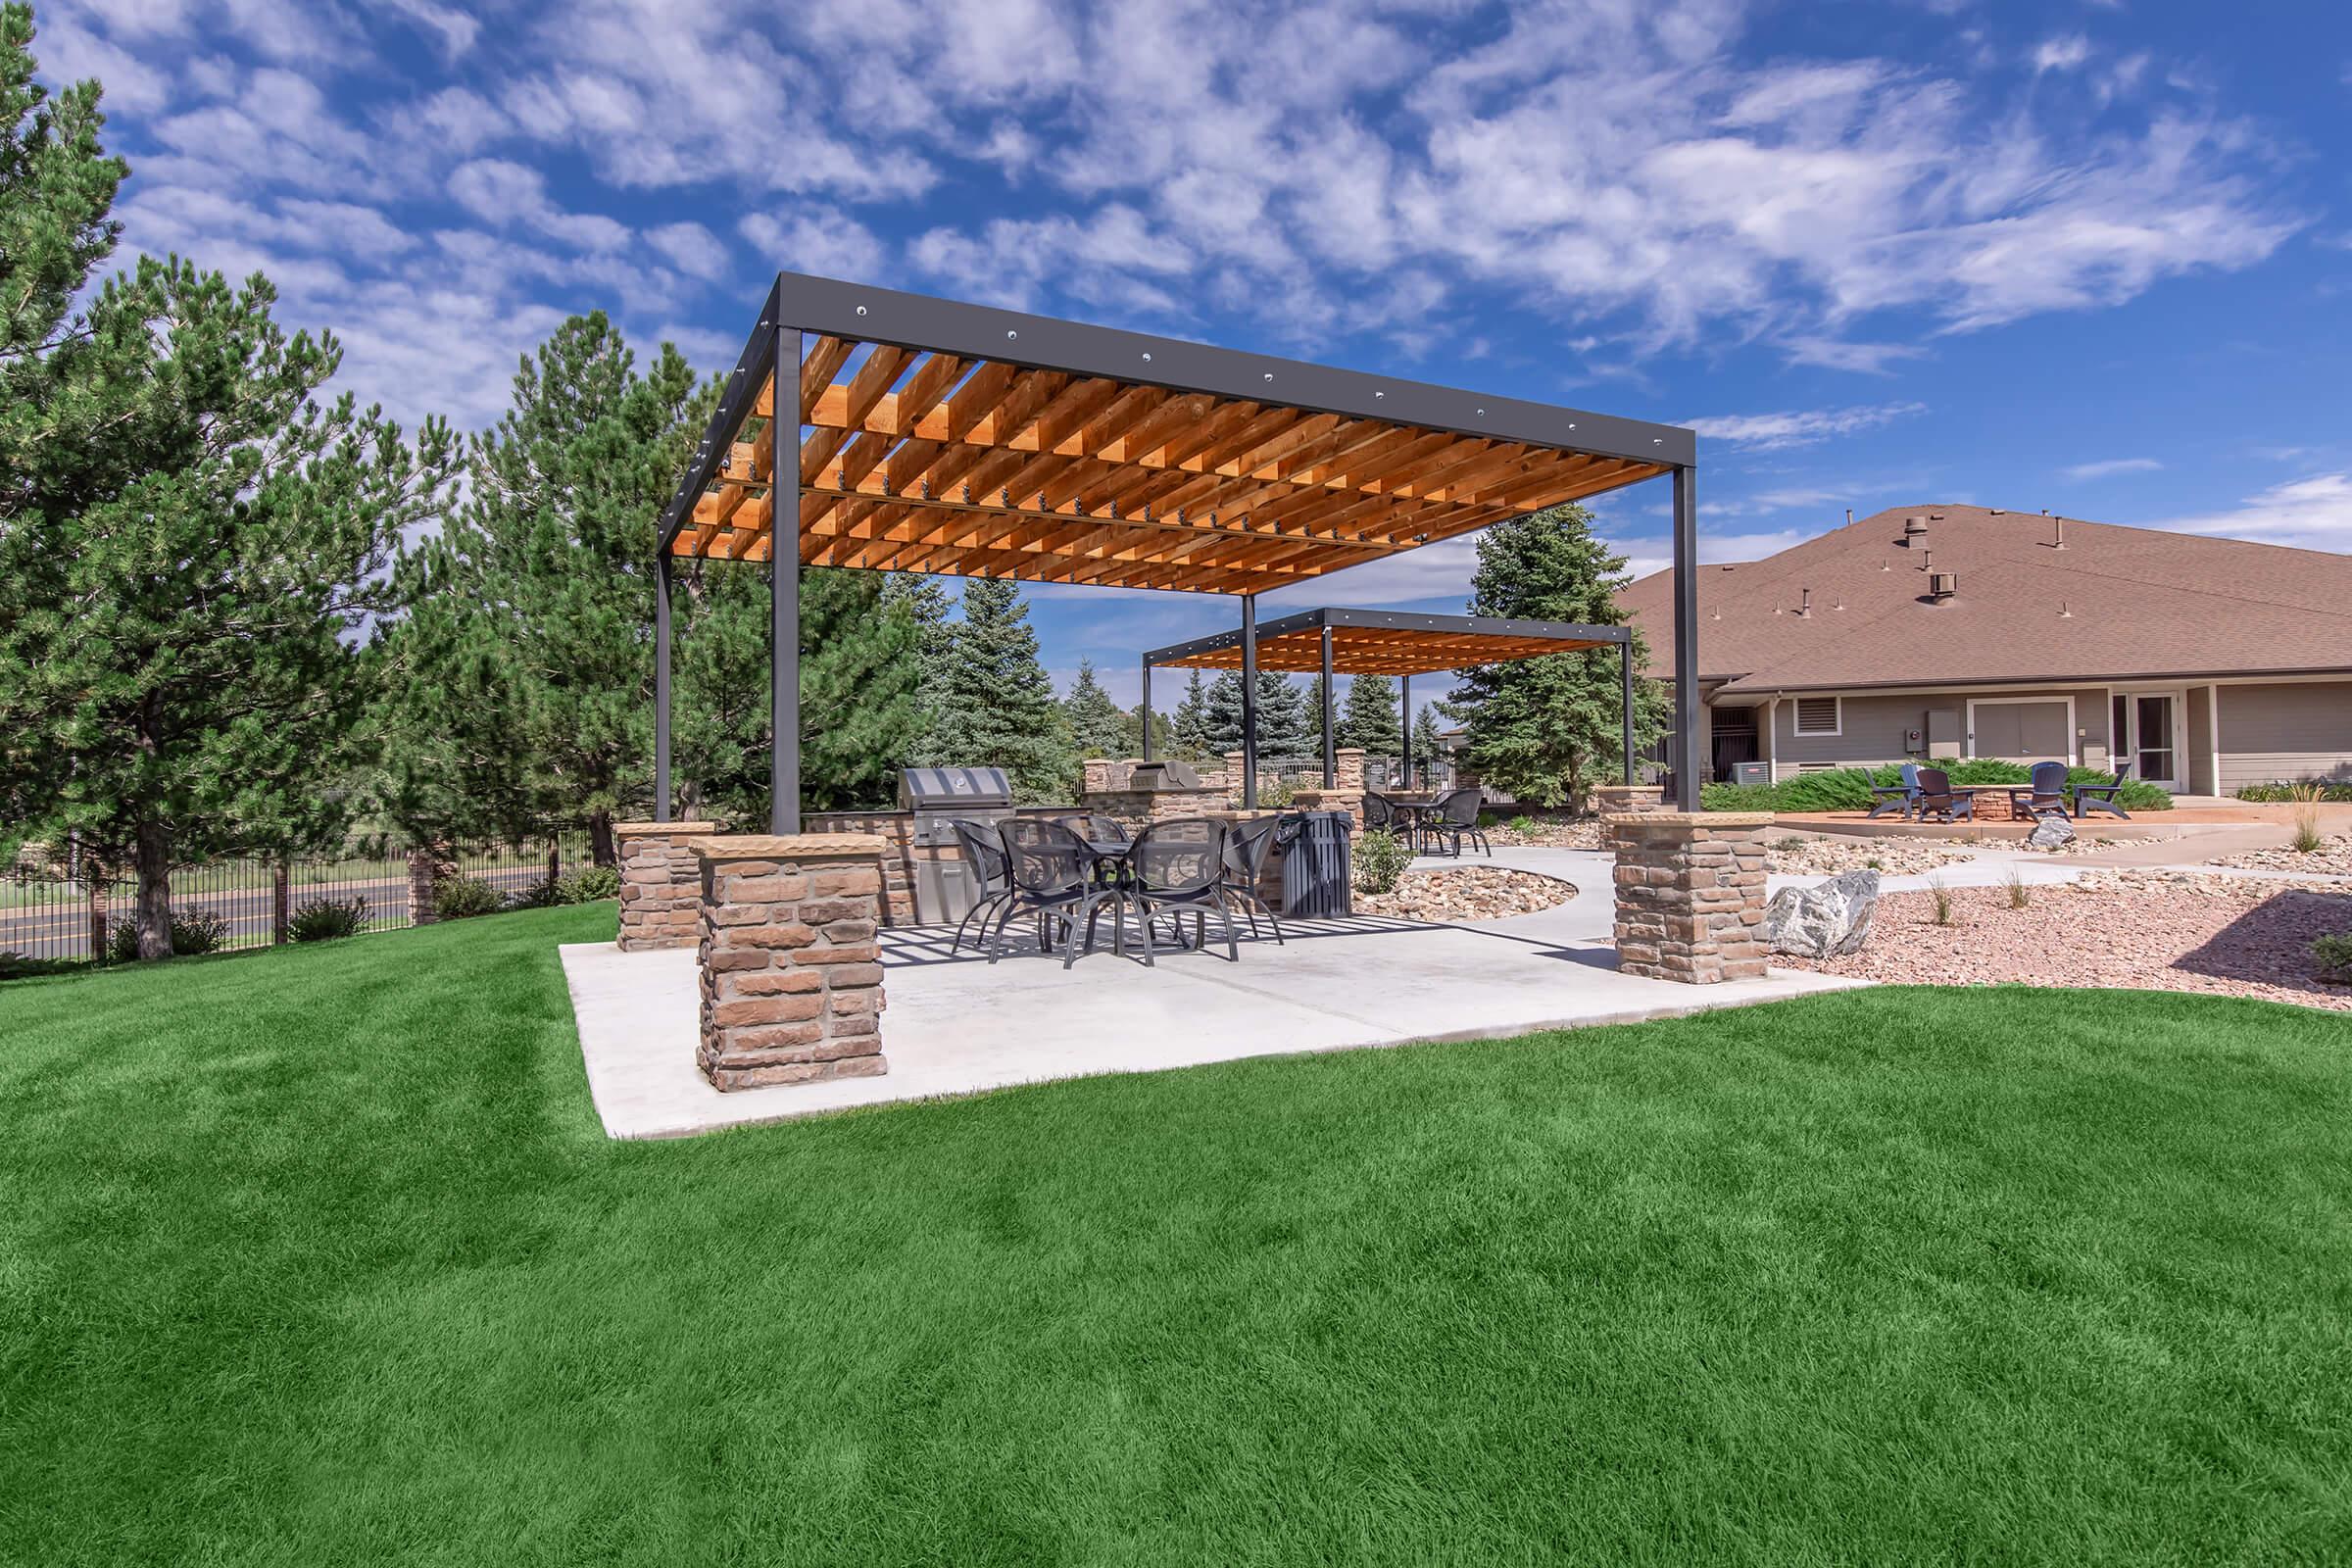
column 1164, row 776
column 938, row 796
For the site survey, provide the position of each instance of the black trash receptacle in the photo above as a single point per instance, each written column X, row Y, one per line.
column 1318, row 866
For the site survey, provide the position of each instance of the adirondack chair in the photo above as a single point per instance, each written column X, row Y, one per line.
column 1899, row 798
column 2045, row 794
column 1938, row 799
column 2101, row 796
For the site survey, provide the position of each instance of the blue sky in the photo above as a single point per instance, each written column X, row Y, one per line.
column 2093, row 257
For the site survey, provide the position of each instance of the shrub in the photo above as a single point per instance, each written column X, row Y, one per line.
column 1273, row 793
column 1942, row 896
column 2020, row 894
column 2333, row 955
column 1840, row 789
column 543, row 894
column 328, row 920
column 2339, row 790
column 1737, row 798
column 1847, row 789
column 195, row 932
column 589, row 884
column 1381, row 857
column 461, row 898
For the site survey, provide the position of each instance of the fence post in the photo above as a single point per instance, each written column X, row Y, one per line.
column 97, row 920
column 279, row 912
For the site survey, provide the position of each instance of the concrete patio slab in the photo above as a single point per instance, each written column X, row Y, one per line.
column 957, row 1025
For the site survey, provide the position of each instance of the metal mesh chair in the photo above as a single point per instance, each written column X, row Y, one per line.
column 1178, row 866
column 1247, row 846
column 1379, row 811
column 1095, row 827
column 991, row 878
column 1052, row 875
column 1456, row 819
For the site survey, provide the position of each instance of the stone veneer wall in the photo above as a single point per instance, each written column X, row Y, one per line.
column 1690, row 894
column 1623, row 800
column 791, row 971
column 660, row 884
column 1345, row 795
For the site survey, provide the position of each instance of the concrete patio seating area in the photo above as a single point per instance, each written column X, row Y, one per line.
column 956, row 1024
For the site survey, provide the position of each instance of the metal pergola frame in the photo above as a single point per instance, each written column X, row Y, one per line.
column 1454, row 636
column 798, row 306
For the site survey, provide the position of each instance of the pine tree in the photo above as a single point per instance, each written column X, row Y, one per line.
column 189, row 543
column 932, row 609
column 997, row 706
column 526, row 658
column 1188, row 726
column 1545, row 729
column 1285, row 727
column 1131, row 733
column 1429, row 746
column 1368, row 717
column 1097, row 726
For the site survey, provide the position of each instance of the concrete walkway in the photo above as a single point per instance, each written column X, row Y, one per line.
column 958, row 1025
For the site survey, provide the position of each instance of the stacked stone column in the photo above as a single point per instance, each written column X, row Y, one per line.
column 661, row 885
column 791, row 972
column 1624, row 800
column 1690, row 895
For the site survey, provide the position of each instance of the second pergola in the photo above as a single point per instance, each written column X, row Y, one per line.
column 882, row 431
column 1333, row 642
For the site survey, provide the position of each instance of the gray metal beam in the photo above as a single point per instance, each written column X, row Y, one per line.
column 1330, row 759
column 784, row 595
column 661, row 577
column 1146, row 709
column 735, row 405
column 1685, row 638
column 1395, row 620
column 1249, row 702
column 1625, row 711
column 1406, row 760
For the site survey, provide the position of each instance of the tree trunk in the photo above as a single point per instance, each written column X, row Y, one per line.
column 600, row 838
column 154, row 856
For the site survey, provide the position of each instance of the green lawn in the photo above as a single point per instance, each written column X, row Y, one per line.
column 317, row 1255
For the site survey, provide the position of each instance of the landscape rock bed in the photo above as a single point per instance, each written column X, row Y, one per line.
column 1818, row 856
column 1545, row 833
column 1467, row 892
column 2161, row 931
column 2331, row 858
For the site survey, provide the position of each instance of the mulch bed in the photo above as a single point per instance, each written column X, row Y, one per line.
column 2166, row 932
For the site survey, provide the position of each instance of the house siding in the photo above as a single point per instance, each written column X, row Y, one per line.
column 2286, row 730
column 1873, row 723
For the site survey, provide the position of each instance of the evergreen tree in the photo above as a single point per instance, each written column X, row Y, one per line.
column 188, row 541
column 1131, row 733
column 1189, row 725
column 1429, row 746
column 1545, row 729
column 997, row 706
column 932, row 610
column 1221, row 714
column 1097, row 726
column 1368, row 717
column 1284, row 727
column 526, row 658
column 859, row 711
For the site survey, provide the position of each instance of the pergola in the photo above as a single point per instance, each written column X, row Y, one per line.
column 963, row 440
column 1381, row 642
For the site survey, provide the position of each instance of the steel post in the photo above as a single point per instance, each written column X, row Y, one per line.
column 1249, row 702
column 1685, row 638
column 784, row 591
column 661, row 582
column 1331, row 759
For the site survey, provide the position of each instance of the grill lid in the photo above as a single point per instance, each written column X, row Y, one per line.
column 1164, row 776
column 952, row 788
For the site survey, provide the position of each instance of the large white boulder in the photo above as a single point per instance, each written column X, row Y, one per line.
column 1824, row 921
column 2050, row 832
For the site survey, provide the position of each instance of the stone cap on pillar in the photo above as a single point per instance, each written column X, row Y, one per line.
column 1689, row 818
column 630, row 830
column 787, row 846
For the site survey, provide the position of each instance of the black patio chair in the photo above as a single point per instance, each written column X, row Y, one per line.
column 1453, row 819
column 1178, row 866
column 2101, row 796
column 1379, row 811
column 2045, row 796
column 1052, row 875
column 1937, row 797
column 992, row 879
column 1095, row 828
column 1247, row 844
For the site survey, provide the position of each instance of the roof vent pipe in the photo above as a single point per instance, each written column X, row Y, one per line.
column 1849, row 516
column 1914, row 529
column 1943, row 586
column 1806, row 605
column 2057, row 533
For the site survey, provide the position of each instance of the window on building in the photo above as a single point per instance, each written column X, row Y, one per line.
column 1817, row 716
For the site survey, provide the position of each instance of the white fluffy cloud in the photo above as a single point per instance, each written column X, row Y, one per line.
column 2313, row 513
column 1766, row 432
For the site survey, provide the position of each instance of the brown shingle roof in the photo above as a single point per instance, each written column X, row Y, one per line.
column 2114, row 602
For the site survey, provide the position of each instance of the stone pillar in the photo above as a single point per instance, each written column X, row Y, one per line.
column 1690, row 894
column 661, row 885
column 1624, row 800
column 792, row 976
column 429, row 867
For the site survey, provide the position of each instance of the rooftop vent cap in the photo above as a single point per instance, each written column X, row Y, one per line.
column 1943, row 586
column 1914, row 528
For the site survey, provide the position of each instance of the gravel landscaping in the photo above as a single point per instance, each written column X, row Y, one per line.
column 1818, row 856
column 1544, row 833
column 2331, row 858
column 1467, row 892
column 2163, row 931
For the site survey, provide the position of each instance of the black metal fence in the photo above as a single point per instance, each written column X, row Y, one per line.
column 48, row 912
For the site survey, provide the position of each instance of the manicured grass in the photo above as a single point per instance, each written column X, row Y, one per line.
column 317, row 1255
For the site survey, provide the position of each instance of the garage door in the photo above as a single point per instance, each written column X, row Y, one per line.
column 2020, row 732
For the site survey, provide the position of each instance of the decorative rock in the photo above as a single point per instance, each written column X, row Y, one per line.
column 1824, row 921
column 2050, row 832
